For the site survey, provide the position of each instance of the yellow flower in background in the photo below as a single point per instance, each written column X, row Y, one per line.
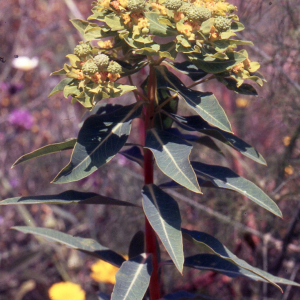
column 289, row 170
column 104, row 272
column 286, row 140
column 241, row 102
column 66, row 291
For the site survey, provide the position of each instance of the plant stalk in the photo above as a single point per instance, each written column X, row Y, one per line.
column 150, row 237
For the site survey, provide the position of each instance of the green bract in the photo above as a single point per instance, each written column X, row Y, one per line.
column 222, row 24
column 89, row 68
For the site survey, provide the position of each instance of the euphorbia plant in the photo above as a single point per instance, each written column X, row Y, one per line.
column 160, row 41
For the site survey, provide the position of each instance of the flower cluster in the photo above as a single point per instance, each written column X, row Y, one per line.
column 202, row 31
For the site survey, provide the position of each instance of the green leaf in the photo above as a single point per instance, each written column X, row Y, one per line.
column 245, row 88
column 59, row 72
column 60, row 86
column 88, row 246
column 137, row 245
column 67, row 197
column 114, row 22
column 212, row 244
column 205, row 104
column 133, row 278
column 157, row 28
column 49, row 149
column 237, row 26
column 184, row 295
column 172, row 157
column 188, row 69
column 217, row 65
column 216, row 263
column 80, row 25
column 128, row 69
column 163, row 214
column 99, row 140
column 74, row 60
column 222, row 45
column 227, row 179
column 195, row 123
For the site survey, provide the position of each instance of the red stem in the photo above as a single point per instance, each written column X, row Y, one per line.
column 150, row 240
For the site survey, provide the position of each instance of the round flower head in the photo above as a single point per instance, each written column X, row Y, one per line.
column 89, row 68
column 135, row 5
column 222, row 24
column 198, row 13
column 185, row 7
column 82, row 50
column 102, row 61
column 114, row 68
column 173, row 4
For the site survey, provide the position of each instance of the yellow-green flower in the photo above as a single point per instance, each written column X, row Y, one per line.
column 66, row 291
column 104, row 272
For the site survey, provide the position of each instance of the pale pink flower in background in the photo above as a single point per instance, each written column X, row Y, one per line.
column 22, row 118
column 25, row 63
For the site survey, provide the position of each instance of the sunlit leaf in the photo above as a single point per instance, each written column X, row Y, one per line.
column 227, row 179
column 172, row 157
column 133, row 278
column 163, row 214
column 67, row 197
column 88, row 246
column 49, row 149
column 99, row 140
column 205, row 104
column 157, row 28
column 60, row 86
column 195, row 123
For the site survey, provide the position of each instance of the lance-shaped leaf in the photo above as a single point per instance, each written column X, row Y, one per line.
column 137, row 245
column 133, row 278
column 212, row 244
column 134, row 154
column 67, row 197
column 216, row 263
column 88, row 246
column 245, row 88
column 215, row 66
column 172, row 157
column 205, row 104
column 187, row 68
column 184, row 295
column 159, row 28
column 49, row 149
column 195, row 123
column 163, row 214
column 60, row 86
column 225, row 178
column 99, row 140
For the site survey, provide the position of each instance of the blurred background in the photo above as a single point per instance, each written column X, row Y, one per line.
column 41, row 32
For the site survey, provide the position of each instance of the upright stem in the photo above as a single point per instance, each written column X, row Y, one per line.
column 150, row 240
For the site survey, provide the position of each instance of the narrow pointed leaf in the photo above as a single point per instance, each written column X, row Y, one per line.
column 99, row 140
column 212, row 244
column 133, row 278
column 49, row 149
column 195, row 123
column 80, row 25
column 172, row 157
column 189, row 69
column 216, row 263
column 67, row 197
column 227, row 179
column 88, row 246
column 134, row 154
column 137, row 245
column 205, row 104
column 60, row 86
column 163, row 214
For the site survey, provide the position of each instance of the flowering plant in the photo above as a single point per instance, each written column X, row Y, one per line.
column 158, row 40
